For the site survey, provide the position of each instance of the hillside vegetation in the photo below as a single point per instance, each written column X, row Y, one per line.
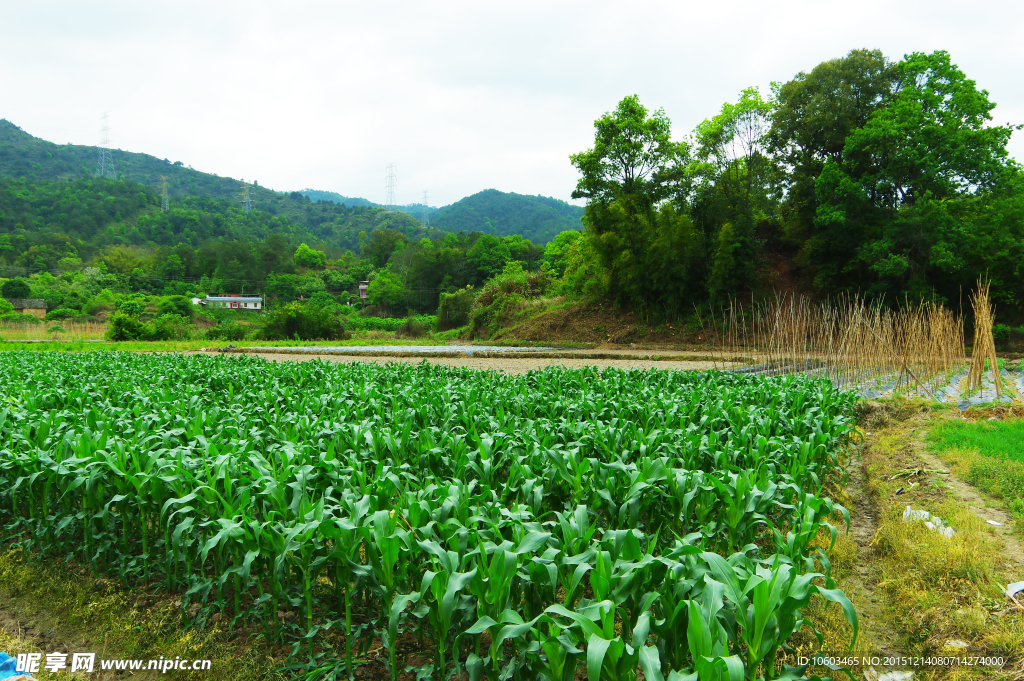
column 537, row 218
column 335, row 225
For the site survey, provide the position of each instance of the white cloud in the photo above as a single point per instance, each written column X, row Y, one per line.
column 461, row 95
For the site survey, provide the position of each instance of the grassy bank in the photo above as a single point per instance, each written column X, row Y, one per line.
column 942, row 595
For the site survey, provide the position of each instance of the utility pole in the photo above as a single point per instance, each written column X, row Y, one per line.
column 390, row 186
column 105, row 163
column 426, row 211
column 163, row 194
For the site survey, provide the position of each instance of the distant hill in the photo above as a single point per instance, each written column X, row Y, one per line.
column 327, row 214
column 317, row 195
column 22, row 155
column 337, row 225
column 416, row 210
column 537, row 218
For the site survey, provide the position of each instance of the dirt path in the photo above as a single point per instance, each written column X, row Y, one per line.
column 510, row 365
column 880, row 637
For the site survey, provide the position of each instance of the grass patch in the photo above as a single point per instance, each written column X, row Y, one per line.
column 1003, row 439
column 68, row 607
column 938, row 590
column 988, row 455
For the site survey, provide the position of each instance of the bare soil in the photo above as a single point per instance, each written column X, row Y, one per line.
column 509, row 365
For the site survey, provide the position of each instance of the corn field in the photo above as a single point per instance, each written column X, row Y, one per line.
column 483, row 526
column 916, row 349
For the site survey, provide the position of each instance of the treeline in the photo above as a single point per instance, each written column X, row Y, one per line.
column 863, row 175
column 84, row 244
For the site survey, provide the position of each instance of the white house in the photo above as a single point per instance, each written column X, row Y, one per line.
column 234, row 301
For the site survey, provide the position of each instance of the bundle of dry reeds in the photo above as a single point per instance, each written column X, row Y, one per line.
column 984, row 347
column 916, row 347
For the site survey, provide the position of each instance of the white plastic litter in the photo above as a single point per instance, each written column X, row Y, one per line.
column 911, row 514
column 871, row 675
column 1014, row 588
column 992, row 522
column 932, row 522
column 957, row 644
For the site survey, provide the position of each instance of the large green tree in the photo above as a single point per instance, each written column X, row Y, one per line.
column 629, row 178
column 736, row 189
column 894, row 189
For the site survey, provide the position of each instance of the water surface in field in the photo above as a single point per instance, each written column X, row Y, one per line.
column 385, row 349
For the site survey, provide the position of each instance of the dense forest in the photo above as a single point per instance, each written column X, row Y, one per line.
column 862, row 176
column 212, row 245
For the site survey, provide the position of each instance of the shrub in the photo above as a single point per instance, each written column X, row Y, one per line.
column 503, row 296
column 16, row 288
column 124, row 327
column 514, row 280
column 169, row 327
column 63, row 313
column 56, row 328
column 177, row 305
column 19, row 318
column 1001, row 335
column 412, row 328
column 101, row 302
column 5, row 307
column 132, row 308
column 323, row 299
column 391, row 324
column 307, row 257
column 303, row 322
column 230, row 331
column 454, row 309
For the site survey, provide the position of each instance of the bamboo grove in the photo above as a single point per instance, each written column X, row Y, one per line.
column 524, row 527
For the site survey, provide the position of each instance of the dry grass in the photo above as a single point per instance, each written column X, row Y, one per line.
column 916, row 348
column 71, row 331
column 984, row 344
column 939, row 589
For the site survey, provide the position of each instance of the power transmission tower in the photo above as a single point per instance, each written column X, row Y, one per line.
column 390, row 186
column 246, row 202
column 426, row 211
column 105, row 163
column 163, row 194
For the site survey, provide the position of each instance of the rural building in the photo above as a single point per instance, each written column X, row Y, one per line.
column 32, row 306
column 234, row 301
column 363, row 288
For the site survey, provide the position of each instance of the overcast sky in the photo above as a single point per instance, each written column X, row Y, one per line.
column 462, row 96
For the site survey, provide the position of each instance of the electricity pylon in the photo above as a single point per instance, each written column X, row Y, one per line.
column 105, row 163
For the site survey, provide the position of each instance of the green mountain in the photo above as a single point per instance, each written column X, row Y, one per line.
column 331, row 224
column 317, row 195
column 537, row 218
column 333, row 218
column 416, row 210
